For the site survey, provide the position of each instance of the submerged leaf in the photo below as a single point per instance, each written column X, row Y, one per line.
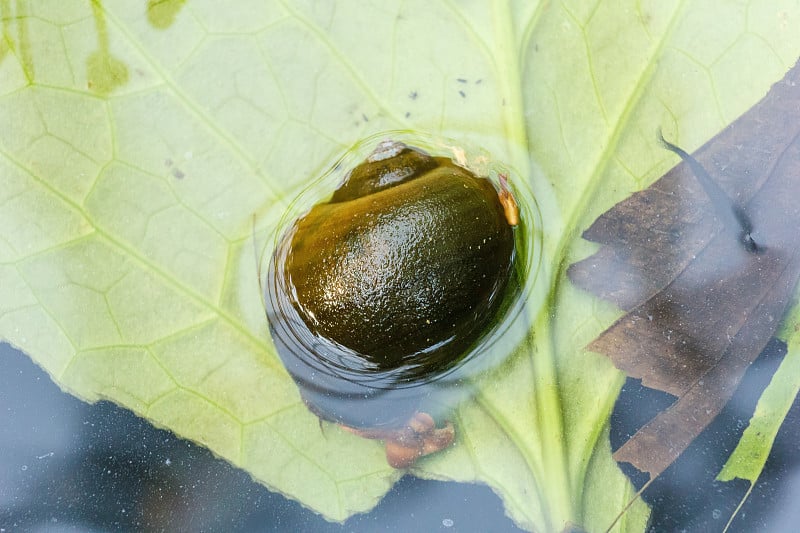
column 701, row 304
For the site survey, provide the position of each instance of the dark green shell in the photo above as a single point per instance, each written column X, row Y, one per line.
column 401, row 271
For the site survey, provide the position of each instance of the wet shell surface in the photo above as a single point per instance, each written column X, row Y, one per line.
column 388, row 284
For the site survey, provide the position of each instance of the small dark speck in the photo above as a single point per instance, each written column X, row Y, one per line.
column 178, row 173
column 413, row 95
column 461, row 80
column 168, row 162
column 478, row 81
column 364, row 117
column 463, row 94
column 408, row 114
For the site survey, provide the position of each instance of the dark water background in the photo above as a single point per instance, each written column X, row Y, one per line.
column 69, row 466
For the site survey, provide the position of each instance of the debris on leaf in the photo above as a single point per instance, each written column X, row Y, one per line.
column 700, row 306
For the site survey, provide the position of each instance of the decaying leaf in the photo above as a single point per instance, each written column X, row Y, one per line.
column 700, row 305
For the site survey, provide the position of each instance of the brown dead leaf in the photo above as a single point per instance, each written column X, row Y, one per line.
column 700, row 305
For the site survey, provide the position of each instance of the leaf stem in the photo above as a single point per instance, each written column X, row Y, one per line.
column 551, row 420
column 509, row 70
column 548, row 399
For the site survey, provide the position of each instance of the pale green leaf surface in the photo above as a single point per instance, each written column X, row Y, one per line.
column 750, row 455
column 142, row 147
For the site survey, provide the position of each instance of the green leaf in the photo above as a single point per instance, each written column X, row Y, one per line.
column 141, row 142
column 748, row 459
column 750, row 455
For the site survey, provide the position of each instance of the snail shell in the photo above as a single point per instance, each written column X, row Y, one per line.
column 388, row 284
